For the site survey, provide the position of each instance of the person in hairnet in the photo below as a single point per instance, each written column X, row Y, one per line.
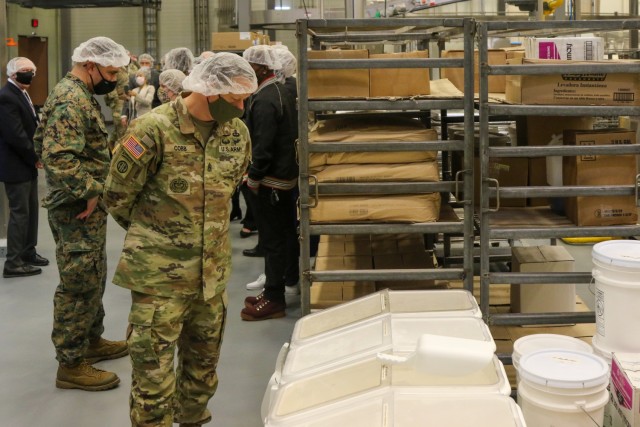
column 71, row 142
column 272, row 178
column 146, row 60
column 169, row 185
column 170, row 85
column 204, row 55
column 285, row 75
column 179, row 58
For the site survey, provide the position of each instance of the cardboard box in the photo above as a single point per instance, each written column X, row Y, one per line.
column 597, row 170
column 350, row 83
column 405, row 82
column 413, row 260
column 496, row 57
column 510, row 172
column 542, row 298
column 616, row 89
column 625, row 390
column 235, row 41
column 327, row 294
column 566, row 48
column 371, row 130
column 376, row 208
column 413, row 172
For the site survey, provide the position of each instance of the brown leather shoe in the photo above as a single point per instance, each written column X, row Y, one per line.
column 83, row 376
column 264, row 309
column 251, row 301
column 105, row 350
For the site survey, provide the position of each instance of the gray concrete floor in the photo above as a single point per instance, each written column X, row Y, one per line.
column 28, row 396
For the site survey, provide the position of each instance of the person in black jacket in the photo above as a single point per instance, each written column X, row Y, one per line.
column 273, row 175
column 19, row 170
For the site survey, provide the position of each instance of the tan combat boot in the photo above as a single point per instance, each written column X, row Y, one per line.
column 85, row 377
column 105, row 350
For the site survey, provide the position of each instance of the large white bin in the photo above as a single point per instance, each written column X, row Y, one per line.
column 401, row 409
column 369, row 378
column 563, row 388
column 616, row 273
column 441, row 303
column 389, row 334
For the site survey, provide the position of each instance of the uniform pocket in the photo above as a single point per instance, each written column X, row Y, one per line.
column 141, row 338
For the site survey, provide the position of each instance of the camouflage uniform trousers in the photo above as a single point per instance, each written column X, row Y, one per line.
column 77, row 304
column 156, row 324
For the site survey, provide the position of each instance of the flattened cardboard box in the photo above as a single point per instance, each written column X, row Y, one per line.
column 366, row 130
column 547, row 297
column 496, row 57
column 600, row 170
column 412, row 172
column 616, row 89
column 391, row 208
column 401, row 82
column 351, row 83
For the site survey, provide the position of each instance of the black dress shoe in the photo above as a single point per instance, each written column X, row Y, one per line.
column 253, row 252
column 36, row 260
column 235, row 214
column 21, row 271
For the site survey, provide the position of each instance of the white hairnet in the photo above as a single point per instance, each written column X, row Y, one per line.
column 146, row 57
column 172, row 79
column 144, row 71
column 103, row 51
column 17, row 63
column 179, row 58
column 223, row 73
column 262, row 55
column 289, row 64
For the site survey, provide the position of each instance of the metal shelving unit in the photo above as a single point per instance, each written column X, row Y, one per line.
column 490, row 187
column 315, row 32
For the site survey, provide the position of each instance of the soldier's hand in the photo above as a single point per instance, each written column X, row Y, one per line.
column 91, row 205
column 39, row 165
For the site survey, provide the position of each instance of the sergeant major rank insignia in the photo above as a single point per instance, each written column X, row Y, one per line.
column 133, row 146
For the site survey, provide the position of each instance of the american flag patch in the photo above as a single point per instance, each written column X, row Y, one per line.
column 133, row 146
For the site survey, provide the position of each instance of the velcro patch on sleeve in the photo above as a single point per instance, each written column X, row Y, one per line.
column 134, row 147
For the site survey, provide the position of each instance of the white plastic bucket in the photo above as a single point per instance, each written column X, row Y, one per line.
column 606, row 355
column 563, row 388
column 616, row 273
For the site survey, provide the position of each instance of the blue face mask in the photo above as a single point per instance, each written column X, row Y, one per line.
column 222, row 111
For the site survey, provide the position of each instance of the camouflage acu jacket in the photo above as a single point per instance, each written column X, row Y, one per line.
column 171, row 191
column 71, row 141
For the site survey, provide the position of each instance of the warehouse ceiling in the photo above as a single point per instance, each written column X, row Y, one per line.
column 65, row 4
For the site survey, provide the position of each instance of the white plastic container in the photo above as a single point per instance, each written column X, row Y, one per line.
column 563, row 388
column 616, row 273
column 536, row 342
column 441, row 303
column 366, row 380
column 395, row 335
column 606, row 355
column 398, row 409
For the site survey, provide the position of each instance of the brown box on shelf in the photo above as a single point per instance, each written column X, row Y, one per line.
column 350, row 83
column 600, row 170
column 542, row 298
column 235, row 41
column 371, row 130
column 375, row 208
column 615, row 89
column 412, row 172
column 403, row 82
column 410, row 260
column 510, row 172
column 496, row 57
column 326, row 294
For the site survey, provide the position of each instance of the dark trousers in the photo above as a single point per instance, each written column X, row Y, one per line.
column 276, row 217
column 22, row 230
column 249, row 220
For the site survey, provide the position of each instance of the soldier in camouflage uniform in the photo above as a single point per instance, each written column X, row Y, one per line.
column 115, row 101
column 71, row 142
column 169, row 185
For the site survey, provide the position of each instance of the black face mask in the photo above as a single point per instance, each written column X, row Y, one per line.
column 24, row 77
column 104, row 86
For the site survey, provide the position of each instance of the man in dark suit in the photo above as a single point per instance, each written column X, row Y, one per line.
column 18, row 170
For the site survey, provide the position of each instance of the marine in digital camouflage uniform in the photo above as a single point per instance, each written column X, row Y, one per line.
column 170, row 188
column 71, row 142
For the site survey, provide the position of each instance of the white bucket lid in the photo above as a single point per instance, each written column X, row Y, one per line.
column 621, row 253
column 564, row 369
column 535, row 342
